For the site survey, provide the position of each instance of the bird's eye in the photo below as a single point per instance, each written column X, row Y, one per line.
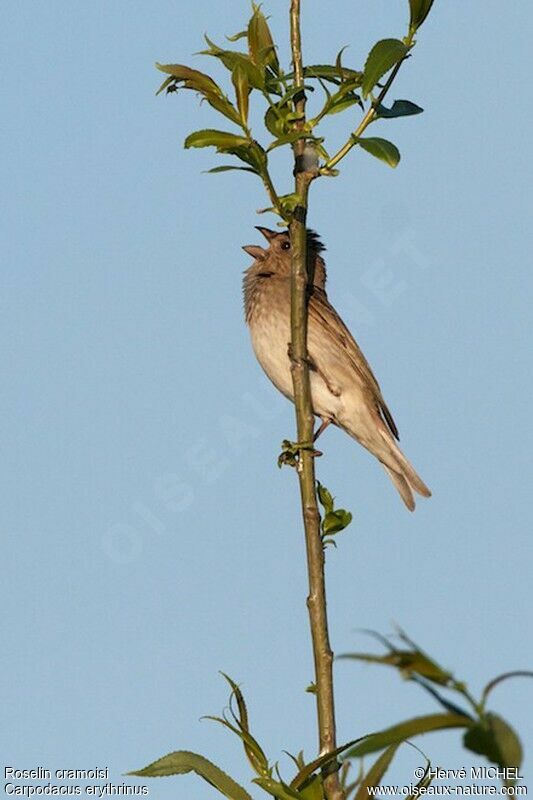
column 285, row 245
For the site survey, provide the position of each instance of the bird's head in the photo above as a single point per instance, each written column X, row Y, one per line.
column 276, row 257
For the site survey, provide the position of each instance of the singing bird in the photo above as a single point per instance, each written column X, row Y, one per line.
column 344, row 390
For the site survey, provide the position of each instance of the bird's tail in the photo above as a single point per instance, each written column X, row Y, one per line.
column 403, row 487
column 401, row 472
column 378, row 439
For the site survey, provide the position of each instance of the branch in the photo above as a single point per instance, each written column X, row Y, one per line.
column 305, row 171
column 365, row 122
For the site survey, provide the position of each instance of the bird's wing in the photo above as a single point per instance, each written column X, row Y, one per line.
column 329, row 331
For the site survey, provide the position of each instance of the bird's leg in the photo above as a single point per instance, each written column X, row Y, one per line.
column 324, row 424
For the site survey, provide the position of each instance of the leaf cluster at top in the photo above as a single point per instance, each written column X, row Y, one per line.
column 257, row 69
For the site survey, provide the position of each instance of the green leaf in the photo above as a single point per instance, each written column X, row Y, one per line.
column 248, row 151
column 336, row 521
column 290, row 93
column 223, row 141
column 332, row 73
column 260, row 42
column 408, row 662
column 231, row 167
column 252, row 748
column 376, row 772
column 325, row 497
column 494, row 738
column 339, row 101
column 241, row 705
column 380, row 148
column 419, row 11
column 223, row 105
column 339, row 104
column 338, row 62
column 277, row 789
column 416, row 660
column 289, row 201
column 230, row 59
column 314, row 790
column 182, row 761
column 278, row 115
column 166, row 83
column 237, row 36
column 306, row 771
column 400, row 108
column 274, row 122
column 383, row 56
column 254, row 155
column 191, row 78
column 242, row 90
column 406, row 730
column 289, row 138
column 187, row 78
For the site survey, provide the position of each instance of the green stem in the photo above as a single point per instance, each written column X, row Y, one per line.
column 365, row 122
column 476, row 707
column 271, row 191
column 316, row 600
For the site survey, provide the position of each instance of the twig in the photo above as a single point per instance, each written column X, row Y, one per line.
column 271, row 191
column 365, row 122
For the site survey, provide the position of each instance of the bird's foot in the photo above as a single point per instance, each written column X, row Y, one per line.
column 291, row 452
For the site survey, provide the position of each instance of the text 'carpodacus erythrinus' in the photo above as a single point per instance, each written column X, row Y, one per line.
column 344, row 390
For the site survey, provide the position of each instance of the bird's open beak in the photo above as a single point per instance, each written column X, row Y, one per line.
column 255, row 251
column 267, row 233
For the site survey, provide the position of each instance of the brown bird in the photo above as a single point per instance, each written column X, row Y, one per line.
column 344, row 390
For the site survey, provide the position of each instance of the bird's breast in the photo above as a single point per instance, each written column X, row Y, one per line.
column 270, row 331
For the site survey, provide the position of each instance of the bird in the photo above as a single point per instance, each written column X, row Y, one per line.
column 344, row 391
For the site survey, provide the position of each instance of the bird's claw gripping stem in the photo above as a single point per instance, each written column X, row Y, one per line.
column 290, row 452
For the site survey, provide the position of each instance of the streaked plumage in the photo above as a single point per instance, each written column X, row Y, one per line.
column 343, row 387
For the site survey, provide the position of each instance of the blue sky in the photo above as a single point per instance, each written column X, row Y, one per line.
column 150, row 538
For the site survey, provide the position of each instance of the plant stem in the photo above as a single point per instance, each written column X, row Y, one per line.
column 316, row 600
column 365, row 122
column 271, row 191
